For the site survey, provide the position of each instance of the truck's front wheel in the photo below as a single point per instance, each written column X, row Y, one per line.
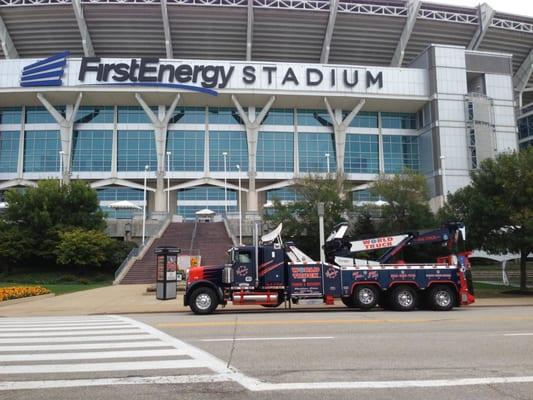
column 203, row 301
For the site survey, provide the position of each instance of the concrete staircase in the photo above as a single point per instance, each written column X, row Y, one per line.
column 210, row 241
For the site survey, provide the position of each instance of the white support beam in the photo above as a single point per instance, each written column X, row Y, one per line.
column 277, row 185
column 166, row 27
column 8, row 48
column 17, row 182
column 521, row 77
column 119, row 182
column 88, row 49
column 250, row 30
column 486, row 13
column 205, row 181
column 326, row 43
column 412, row 12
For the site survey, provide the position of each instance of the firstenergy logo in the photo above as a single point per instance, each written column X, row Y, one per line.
column 47, row 72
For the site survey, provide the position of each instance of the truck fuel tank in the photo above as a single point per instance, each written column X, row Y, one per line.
column 228, row 274
column 255, row 298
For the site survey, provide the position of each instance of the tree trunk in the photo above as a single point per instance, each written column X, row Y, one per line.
column 523, row 270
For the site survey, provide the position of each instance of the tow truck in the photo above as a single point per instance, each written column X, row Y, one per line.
column 385, row 274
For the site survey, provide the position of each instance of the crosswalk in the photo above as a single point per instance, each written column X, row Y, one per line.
column 57, row 352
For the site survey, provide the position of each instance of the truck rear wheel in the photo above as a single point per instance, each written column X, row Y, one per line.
column 404, row 298
column 366, row 296
column 203, row 301
column 441, row 298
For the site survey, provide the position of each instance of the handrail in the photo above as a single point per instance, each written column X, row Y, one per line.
column 133, row 253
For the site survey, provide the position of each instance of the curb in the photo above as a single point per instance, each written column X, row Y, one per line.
column 25, row 299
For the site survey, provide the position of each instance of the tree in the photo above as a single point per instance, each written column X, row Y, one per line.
column 497, row 207
column 83, row 248
column 406, row 198
column 300, row 218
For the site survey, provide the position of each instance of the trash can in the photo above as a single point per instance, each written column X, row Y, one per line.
column 167, row 267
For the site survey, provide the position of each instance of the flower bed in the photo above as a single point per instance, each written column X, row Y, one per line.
column 18, row 292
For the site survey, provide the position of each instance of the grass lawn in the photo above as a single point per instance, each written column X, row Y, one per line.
column 485, row 290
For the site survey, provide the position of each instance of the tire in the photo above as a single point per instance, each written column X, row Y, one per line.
column 441, row 298
column 404, row 298
column 366, row 297
column 203, row 301
column 348, row 302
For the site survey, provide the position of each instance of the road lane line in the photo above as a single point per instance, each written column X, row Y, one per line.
column 74, row 339
column 85, row 346
column 267, row 338
column 518, row 334
column 68, row 333
column 97, row 355
column 137, row 380
column 65, row 328
column 98, row 367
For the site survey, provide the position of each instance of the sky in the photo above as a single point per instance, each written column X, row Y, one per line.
column 518, row 7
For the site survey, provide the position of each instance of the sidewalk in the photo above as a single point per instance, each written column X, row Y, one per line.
column 129, row 299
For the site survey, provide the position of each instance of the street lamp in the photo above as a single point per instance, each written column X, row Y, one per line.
column 327, row 161
column 240, row 212
column 168, row 180
column 61, row 154
column 146, row 169
column 225, row 184
column 443, row 173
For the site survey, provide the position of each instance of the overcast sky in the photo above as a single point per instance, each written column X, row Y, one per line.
column 518, row 7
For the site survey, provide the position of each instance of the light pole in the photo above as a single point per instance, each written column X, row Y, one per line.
column 327, row 161
column 225, row 184
column 168, row 180
column 146, row 169
column 61, row 154
column 443, row 173
column 320, row 210
column 240, row 210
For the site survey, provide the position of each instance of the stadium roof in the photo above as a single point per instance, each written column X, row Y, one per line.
column 338, row 31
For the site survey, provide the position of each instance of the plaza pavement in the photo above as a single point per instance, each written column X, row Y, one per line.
column 130, row 299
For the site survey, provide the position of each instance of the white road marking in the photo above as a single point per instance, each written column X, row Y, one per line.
column 97, row 367
column 96, row 355
column 137, row 380
column 518, row 334
column 68, row 333
column 268, row 338
column 85, row 346
column 74, row 339
column 69, row 328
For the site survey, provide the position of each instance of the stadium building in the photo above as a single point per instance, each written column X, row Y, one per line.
column 207, row 92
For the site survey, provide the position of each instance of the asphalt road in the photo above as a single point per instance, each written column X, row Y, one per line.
column 470, row 353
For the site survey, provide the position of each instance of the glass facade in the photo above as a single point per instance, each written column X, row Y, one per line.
column 95, row 115
column 187, row 148
column 396, row 120
column 400, row 152
column 40, row 115
column 525, row 127
column 278, row 116
column 314, row 118
column 92, row 150
column 313, row 148
column 133, row 115
column 188, row 115
column 109, row 195
column 284, row 194
column 197, row 198
column 361, row 154
column 220, row 115
column 10, row 115
column 364, row 119
column 41, row 151
column 234, row 144
column 364, row 196
column 136, row 148
column 275, row 152
column 9, row 150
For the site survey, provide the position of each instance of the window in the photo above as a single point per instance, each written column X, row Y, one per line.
column 134, row 115
column 245, row 257
column 394, row 120
column 278, row 116
column 313, row 148
column 314, row 118
column 525, row 127
column 275, row 151
column 187, row 148
column 96, row 115
column 284, row 195
column 188, row 115
column 197, row 198
column 218, row 115
column 361, row 154
column 135, row 150
column 231, row 142
column 111, row 194
column 40, row 115
column 400, row 152
column 9, row 150
column 364, row 195
column 10, row 115
column 41, row 151
column 92, row 150
column 364, row 119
